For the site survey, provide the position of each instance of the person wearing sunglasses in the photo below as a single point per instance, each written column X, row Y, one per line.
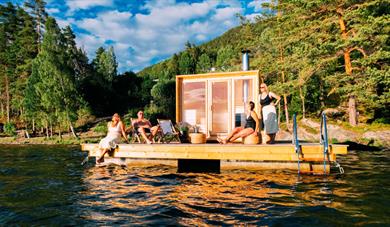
column 268, row 101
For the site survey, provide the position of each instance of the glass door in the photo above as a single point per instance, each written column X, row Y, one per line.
column 219, row 109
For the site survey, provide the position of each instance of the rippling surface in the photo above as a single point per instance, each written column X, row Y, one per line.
column 46, row 185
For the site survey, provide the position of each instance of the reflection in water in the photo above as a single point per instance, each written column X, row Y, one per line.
column 46, row 186
column 158, row 195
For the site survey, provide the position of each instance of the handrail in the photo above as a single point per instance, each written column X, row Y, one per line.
column 324, row 138
column 295, row 140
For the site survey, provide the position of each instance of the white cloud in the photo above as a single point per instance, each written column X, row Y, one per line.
column 52, row 10
column 257, row 4
column 226, row 13
column 89, row 43
column 111, row 25
column 252, row 17
column 161, row 31
column 64, row 22
column 86, row 4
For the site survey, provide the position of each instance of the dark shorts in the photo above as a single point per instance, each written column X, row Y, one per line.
column 147, row 130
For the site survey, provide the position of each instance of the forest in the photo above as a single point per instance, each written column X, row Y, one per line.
column 319, row 55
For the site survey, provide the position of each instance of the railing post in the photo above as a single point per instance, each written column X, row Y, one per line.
column 324, row 138
column 295, row 140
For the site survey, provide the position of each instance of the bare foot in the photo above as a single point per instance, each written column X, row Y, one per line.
column 100, row 159
column 221, row 141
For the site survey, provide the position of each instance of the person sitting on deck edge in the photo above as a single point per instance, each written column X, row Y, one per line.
column 143, row 126
column 251, row 126
column 116, row 129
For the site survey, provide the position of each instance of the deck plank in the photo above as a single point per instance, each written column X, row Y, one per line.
column 276, row 152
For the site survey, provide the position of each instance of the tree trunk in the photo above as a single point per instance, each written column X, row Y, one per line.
column 47, row 130
column 322, row 102
column 352, row 111
column 33, row 125
column 7, row 97
column 279, row 14
column 72, row 130
column 2, row 108
column 27, row 135
column 51, row 130
column 303, row 102
column 348, row 70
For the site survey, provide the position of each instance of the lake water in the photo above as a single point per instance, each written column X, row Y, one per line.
column 46, row 185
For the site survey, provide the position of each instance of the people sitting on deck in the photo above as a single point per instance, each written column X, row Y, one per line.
column 116, row 129
column 268, row 110
column 144, row 126
column 251, row 126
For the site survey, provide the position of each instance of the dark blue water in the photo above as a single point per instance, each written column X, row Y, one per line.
column 46, row 185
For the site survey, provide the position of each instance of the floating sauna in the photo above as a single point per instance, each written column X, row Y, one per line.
column 215, row 104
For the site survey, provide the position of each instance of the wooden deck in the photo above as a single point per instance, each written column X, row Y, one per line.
column 276, row 156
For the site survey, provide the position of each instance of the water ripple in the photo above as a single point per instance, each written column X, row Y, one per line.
column 45, row 185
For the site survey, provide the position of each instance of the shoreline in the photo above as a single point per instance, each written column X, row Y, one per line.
column 364, row 137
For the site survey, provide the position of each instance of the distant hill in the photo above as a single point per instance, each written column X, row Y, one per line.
column 224, row 53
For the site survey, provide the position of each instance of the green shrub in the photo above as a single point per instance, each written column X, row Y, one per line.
column 101, row 127
column 9, row 129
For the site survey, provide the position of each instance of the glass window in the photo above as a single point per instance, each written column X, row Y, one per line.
column 243, row 92
column 194, row 104
column 220, row 108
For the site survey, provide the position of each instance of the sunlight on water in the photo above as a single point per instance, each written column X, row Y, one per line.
column 46, row 185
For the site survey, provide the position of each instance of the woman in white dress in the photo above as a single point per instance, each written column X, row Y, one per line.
column 268, row 110
column 116, row 129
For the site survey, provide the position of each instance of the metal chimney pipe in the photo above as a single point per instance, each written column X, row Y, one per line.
column 245, row 67
column 245, row 60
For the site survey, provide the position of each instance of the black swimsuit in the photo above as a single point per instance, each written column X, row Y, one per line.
column 250, row 122
column 266, row 101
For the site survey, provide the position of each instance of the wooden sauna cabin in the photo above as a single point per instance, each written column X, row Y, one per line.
column 215, row 103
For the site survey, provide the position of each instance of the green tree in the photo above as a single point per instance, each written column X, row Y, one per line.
column 54, row 83
column 37, row 10
column 204, row 63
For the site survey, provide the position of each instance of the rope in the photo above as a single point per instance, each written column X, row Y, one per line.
column 341, row 169
column 85, row 160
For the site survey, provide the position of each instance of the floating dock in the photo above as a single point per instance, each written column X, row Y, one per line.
column 198, row 157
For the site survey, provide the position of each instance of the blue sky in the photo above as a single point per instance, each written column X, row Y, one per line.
column 144, row 32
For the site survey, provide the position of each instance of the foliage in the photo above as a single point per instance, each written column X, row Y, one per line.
column 9, row 129
column 317, row 54
column 101, row 127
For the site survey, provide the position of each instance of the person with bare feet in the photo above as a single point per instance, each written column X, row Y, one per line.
column 251, row 126
column 143, row 126
column 116, row 129
column 268, row 101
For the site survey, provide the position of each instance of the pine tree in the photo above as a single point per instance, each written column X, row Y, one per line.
column 37, row 10
column 54, row 83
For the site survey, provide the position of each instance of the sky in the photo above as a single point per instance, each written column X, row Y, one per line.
column 144, row 32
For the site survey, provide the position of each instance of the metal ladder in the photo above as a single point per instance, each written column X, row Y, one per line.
column 324, row 141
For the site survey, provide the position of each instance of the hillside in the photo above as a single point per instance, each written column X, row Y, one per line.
column 317, row 56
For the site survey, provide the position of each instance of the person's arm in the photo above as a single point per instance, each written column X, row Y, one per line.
column 254, row 116
column 275, row 96
column 108, row 127
column 148, row 123
column 123, row 131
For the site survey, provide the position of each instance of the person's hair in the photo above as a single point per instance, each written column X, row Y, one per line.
column 265, row 86
column 252, row 104
column 116, row 115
